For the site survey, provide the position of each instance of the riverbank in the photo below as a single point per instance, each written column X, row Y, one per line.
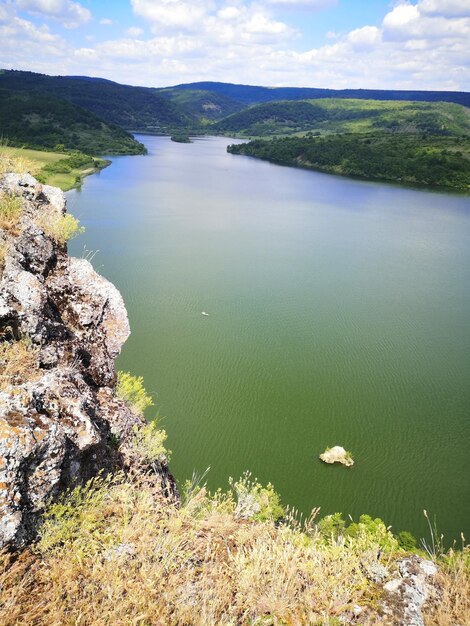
column 64, row 170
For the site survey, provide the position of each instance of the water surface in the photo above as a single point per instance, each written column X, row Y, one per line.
column 339, row 313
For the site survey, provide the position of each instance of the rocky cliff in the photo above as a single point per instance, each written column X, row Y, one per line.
column 61, row 327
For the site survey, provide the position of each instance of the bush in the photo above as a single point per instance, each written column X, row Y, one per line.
column 131, row 390
column 331, row 527
column 148, row 443
column 406, row 540
column 60, row 228
column 255, row 501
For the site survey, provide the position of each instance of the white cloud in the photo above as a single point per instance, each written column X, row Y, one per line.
column 303, row 5
column 70, row 14
column 134, row 31
column 176, row 14
column 445, row 8
column 106, row 21
column 229, row 13
column 365, row 37
column 408, row 21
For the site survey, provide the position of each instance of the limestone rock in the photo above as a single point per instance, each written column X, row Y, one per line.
column 337, row 454
column 60, row 417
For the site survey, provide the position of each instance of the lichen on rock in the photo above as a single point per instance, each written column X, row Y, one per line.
column 55, row 426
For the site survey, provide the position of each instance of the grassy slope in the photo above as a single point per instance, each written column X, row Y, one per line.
column 37, row 162
column 38, row 121
column 332, row 115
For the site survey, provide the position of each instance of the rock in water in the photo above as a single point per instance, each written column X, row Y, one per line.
column 337, row 454
column 58, row 411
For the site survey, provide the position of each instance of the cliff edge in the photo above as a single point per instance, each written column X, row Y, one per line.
column 61, row 327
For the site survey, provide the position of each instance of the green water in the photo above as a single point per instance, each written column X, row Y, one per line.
column 339, row 313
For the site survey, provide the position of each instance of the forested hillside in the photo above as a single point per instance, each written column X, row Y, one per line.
column 405, row 158
column 136, row 108
column 39, row 121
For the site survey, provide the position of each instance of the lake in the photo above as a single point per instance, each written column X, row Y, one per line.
column 339, row 314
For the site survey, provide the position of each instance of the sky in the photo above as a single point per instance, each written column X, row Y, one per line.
column 375, row 44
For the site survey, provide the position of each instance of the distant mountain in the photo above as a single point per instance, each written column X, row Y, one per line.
column 34, row 120
column 248, row 95
column 137, row 108
column 337, row 115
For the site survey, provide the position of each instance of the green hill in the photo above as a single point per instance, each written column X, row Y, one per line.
column 38, row 121
column 136, row 108
column 341, row 115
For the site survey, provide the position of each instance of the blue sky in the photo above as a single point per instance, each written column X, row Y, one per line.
column 401, row 44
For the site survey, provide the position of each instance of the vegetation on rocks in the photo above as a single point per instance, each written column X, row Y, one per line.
column 131, row 390
column 116, row 552
column 60, row 228
column 10, row 207
column 19, row 362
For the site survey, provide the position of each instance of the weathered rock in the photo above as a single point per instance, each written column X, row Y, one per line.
column 337, row 454
column 56, row 424
column 405, row 596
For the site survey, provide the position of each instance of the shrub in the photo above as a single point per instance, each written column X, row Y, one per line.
column 60, row 228
column 406, row 540
column 10, row 208
column 148, row 443
column 255, row 501
column 131, row 390
column 369, row 531
column 331, row 527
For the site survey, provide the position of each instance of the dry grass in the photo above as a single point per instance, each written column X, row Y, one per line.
column 116, row 553
column 453, row 606
column 10, row 209
column 18, row 362
column 11, row 160
column 3, row 253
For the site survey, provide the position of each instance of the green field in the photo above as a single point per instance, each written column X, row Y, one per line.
column 65, row 171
